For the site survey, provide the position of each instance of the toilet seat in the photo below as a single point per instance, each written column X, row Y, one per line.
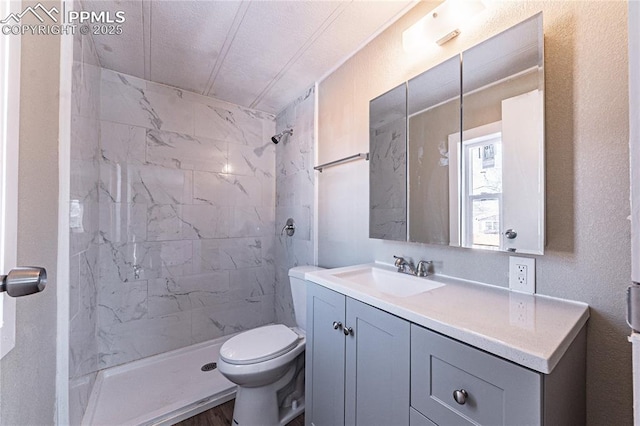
column 259, row 345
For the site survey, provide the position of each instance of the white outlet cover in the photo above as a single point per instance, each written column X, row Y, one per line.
column 530, row 285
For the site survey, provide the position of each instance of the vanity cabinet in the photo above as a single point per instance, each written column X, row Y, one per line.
column 357, row 362
column 439, row 351
column 365, row 366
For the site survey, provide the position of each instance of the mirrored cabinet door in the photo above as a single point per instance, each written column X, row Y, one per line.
column 501, row 154
column 388, row 165
column 473, row 179
column 433, row 108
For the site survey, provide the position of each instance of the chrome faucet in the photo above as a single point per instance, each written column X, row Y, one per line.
column 406, row 267
column 402, row 265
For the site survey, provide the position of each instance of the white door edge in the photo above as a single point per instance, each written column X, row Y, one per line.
column 634, row 136
column 634, row 147
column 64, row 193
column 9, row 137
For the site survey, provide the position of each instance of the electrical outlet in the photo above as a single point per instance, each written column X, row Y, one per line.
column 522, row 274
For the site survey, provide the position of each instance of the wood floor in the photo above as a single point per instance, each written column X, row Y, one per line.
column 222, row 415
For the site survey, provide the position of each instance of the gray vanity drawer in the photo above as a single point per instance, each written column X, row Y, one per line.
column 498, row 391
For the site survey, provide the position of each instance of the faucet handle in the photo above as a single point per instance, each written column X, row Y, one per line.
column 400, row 263
column 422, row 269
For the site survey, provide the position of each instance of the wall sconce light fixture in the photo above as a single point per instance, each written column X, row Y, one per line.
column 441, row 24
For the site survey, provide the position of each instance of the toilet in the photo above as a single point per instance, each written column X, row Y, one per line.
column 267, row 364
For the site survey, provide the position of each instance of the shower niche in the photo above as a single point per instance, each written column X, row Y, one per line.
column 464, row 165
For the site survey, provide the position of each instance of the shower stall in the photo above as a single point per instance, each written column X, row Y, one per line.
column 174, row 204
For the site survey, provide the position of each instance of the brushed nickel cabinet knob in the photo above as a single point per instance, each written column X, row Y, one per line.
column 460, row 396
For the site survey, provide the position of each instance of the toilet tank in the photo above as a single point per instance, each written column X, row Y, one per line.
column 299, row 292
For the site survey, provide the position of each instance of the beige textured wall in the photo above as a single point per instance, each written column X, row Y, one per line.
column 587, row 256
column 28, row 372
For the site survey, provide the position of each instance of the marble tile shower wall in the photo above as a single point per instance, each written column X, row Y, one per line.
column 295, row 197
column 187, row 219
column 84, row 225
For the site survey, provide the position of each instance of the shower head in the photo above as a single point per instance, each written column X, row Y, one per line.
column 275, row 139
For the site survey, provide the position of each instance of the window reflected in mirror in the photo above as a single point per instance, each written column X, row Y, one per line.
column 482, row 191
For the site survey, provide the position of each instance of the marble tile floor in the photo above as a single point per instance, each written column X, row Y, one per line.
column 222, row 415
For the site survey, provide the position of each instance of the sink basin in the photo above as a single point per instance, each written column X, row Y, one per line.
column 388, row 282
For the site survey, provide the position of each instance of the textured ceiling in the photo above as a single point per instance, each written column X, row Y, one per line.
column 258, row 54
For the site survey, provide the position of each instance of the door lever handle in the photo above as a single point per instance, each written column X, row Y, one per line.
column 23, row 281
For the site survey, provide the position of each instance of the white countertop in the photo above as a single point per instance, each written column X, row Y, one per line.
column 531, row 330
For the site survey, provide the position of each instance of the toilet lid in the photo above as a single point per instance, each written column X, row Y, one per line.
column 259, row 344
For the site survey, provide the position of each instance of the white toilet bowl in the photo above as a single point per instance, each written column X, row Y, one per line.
column 267, row 364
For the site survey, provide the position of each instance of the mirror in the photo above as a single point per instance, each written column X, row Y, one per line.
column 501, row 156
column 474, row 179
column 433, row 108
column 388, row 165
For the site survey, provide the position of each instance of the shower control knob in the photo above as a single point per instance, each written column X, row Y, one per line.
column 460, row 396
column 23, row 281
column 289, row 228
column 337, row 325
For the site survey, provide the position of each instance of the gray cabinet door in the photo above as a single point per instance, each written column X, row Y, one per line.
column 377, row 367
column 417, row 419
column 324, row 357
